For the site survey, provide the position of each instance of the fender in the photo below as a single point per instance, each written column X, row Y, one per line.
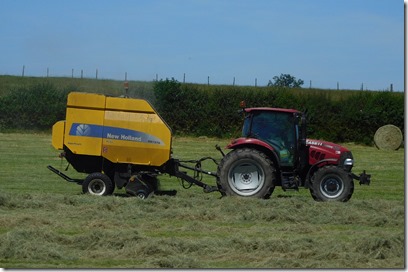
column 314, row 166
column 255, row 143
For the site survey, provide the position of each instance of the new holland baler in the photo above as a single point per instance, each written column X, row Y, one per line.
column 118, row 141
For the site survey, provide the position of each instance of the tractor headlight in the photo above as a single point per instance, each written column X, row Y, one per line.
column 348, row 162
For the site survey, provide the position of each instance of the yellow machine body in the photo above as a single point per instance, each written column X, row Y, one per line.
column 121, row 130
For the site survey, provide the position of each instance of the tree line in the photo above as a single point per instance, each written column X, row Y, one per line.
column 213, row 111
column 339, row 116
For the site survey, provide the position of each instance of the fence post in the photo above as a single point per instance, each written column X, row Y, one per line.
column 256, row 82
column 72, row 73
column 391, row 89
column 208, row 80
column 126, row 87
column 22, row 74
column 96, row 76
column 184, row 78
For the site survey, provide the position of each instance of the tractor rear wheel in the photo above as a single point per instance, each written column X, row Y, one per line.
column 331, row 183
column 97, row 184
column 246, row 172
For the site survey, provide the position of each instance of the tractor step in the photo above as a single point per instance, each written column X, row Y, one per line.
column 289, row 183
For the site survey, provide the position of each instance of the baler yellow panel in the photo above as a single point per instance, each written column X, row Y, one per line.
column 121, row 104
column 58, row 135
column 122, row 130
column 86, row 100
column 83, row 133
column 137, row 138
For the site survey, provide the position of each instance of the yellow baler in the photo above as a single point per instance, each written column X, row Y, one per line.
column 118, row 141
column 121, row 130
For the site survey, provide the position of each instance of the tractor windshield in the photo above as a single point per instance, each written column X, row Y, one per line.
column 275, row 128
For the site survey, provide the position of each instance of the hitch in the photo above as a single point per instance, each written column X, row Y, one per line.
column 363, row 178
column 219, row 149
column 172, row 168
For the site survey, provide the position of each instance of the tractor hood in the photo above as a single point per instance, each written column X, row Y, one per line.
column 320, row 150
column 330, row 147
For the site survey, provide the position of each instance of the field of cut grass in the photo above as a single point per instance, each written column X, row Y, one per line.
column 46, row 222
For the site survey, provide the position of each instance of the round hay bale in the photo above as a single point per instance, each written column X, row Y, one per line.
column 388, row 137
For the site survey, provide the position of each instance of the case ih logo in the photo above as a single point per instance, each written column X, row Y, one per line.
column 309, row 142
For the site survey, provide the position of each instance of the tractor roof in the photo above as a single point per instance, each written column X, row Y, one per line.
column 271, row 109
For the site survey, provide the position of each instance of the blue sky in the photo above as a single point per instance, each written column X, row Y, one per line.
column 351, row 42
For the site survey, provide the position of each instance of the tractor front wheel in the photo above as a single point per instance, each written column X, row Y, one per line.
column 331, row 183
column 97, row 184
column 246, row 172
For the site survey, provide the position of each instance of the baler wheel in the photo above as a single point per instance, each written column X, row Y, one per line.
column 97, row 184
column 142, row 185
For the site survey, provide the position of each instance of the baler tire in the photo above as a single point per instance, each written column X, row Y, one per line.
column 98, row 184
column 143, row 186
column 331, row 183
column 235, row 174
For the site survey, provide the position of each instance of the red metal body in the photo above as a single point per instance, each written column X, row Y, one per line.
column 318, row 150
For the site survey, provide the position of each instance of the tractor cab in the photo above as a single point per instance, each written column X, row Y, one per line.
column 281, row 129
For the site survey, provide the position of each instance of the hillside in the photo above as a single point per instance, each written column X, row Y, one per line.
column 105, row 86
column 139, row 89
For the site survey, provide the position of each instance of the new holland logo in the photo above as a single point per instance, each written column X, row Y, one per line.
column 114, row 133
column 83, row 130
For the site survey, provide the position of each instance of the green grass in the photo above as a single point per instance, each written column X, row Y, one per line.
column 45, row 222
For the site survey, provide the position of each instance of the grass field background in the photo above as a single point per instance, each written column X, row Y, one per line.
column 46, row 222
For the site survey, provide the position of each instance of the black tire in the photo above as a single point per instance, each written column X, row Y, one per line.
column 142, row 186
column 142, row 191
column 246, row 172
column 98, row 184
column 331, row 183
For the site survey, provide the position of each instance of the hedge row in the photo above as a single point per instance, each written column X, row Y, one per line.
column 191, row 109
column 36, row 107
column 339, row 116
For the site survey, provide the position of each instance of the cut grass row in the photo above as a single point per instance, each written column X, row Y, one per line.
column 46, row 222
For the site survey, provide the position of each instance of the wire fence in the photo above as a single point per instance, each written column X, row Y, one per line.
column 389, row 88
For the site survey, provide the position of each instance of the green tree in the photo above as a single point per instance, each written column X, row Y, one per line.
column 286, row 80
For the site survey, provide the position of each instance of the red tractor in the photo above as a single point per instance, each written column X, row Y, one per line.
column 273, row 151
